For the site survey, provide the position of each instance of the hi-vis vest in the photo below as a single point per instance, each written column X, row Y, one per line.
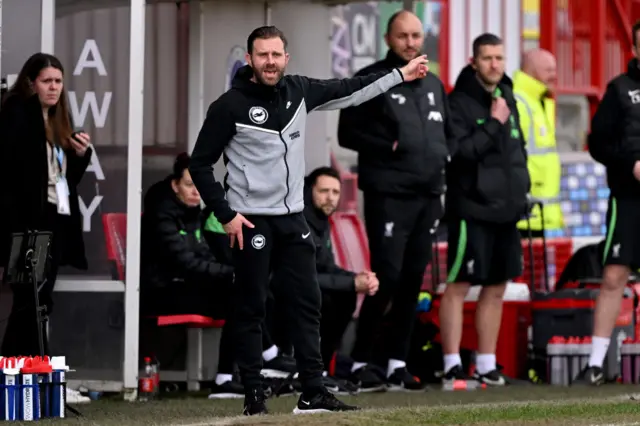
column 538, row 124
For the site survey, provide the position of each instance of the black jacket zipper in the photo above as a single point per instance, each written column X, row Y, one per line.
column 286, row 151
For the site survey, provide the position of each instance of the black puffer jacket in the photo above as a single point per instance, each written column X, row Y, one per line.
column 173, row 247
column 487, row 179
column 416, row 115
column 614, row 140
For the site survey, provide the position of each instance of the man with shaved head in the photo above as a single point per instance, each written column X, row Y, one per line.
column 402, row 141
column 532, row 86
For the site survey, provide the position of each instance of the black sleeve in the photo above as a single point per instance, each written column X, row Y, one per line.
column 76, row 166
column 341, row 93
column 330, row 275
column 215, row 134
column 367, row 127
column 337, row 282
column 185, row 259
column 475, row 139
column 452, row 131
column 604, row 139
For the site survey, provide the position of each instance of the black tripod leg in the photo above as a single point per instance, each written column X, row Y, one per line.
column 72, row 410
column 39, row 317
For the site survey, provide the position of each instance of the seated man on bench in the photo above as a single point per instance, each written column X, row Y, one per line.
column 339, row 287
column 180, row 275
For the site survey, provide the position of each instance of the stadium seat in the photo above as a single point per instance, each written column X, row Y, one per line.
column 350, row 245
column 195, row 343
column 115, row 231
column 115, row 235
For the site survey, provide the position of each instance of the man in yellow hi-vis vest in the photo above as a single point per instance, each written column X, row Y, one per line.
column 537, row 111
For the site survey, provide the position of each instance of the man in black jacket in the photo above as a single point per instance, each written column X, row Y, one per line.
column 614, row 141
column 487, row 185
column 338, row 286
column 180, row 275
column 259, row 125
column 402, row 142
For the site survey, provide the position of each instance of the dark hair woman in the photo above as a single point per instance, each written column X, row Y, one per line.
column 42, row 162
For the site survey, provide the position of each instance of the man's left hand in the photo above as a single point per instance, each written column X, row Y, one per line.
column 415, row 69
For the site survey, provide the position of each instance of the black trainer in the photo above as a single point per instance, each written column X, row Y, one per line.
column 367, row 380
column 402, row 380
column 493, row 378
column 454, row 374
column 592, row 376
column 230, row 389
column 281, row 367
column 339, row 386
column 322, row 402
column 254, row 403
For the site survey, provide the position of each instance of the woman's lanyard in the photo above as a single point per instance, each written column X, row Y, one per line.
column 62, row 188
column 59, row 154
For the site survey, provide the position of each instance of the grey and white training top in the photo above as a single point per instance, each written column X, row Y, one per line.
column 260, row 130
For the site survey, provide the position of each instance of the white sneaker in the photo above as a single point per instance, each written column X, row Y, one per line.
column 75, row 397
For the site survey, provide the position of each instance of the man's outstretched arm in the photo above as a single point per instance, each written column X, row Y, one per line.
column 325, row 95
column 215, row 134
column 338, row 93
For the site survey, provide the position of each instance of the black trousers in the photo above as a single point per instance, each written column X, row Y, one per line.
column 400, row 232
column 282, row 245
column 337, row 312
column 21, row 335
column 274, row 329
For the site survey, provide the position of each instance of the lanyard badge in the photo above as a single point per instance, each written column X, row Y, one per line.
column 62, row 188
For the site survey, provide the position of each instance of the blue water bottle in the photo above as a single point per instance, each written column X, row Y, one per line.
column 29, row 399
column 9, row 383
column 58, row 386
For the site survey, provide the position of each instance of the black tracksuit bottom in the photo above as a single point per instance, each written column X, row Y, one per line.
column 281, row 245
column 336, row 314
column 400, row 231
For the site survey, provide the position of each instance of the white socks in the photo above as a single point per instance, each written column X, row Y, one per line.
column 393, row 365
column 450, row 361
column 485, row 363
column 599, row 346
column 270, row 353
column 223, row 378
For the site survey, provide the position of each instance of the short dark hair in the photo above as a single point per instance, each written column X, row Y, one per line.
column 264, row 33
column 486, row 39
column 312, row 178
column 634, row 33
column 392, row 20
column 180, row 165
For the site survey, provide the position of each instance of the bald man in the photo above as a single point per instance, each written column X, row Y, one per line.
column 402, row 140
column 532, row 86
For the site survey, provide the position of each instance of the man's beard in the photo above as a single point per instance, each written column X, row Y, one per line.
column 486, row 82
column 328, row 209
column 261, row 80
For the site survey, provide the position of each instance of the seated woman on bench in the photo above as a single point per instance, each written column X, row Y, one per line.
column 180, row 275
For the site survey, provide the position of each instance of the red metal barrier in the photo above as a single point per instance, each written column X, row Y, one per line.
column 349, row 196
column 591, row 42
column 559, row 251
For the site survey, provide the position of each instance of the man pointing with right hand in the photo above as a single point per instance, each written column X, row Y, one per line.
column 258, row 127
